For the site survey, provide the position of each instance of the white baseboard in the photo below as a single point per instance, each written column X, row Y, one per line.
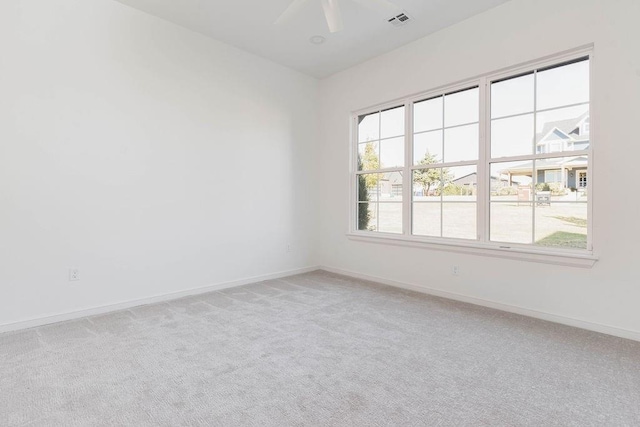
column 40, row 321
column 582, row 324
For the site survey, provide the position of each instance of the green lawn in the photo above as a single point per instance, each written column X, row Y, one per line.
column 580, row 222
column 564, row 239
column 561, row 225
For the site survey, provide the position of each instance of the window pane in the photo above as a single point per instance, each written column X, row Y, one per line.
column 368, row 158
column 513, row 96
column 563, row 129
column 390, row 217
column 427, row 184
column 562, row 225
column 461, row 107
column 461, row 143
column 366, row 216
column 391, row 153
column 563, row 179
column 511, row 212
column 390, row 187
column 565, row 85
column 427, row 148
column 511, row 222
column 392, row 122
column 369, row 127
column 460, row 184
column 512, row 181
column 368, row 187
column 427, row 115
column 512, row 136
column 426, row 219
column 459, row 220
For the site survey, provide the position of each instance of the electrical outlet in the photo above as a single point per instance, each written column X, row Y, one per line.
column 455, row 270
column 74, row 274
column 288, row 247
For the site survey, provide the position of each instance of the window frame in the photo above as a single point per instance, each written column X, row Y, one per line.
column 379, row 170
column 482, row 245
column 411, row 167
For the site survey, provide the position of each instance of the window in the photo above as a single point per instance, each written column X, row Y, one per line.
column 445, row 150
column 379, row 169
column 553, row 175
column 557, row 102
column 582, row 179
column 498, row 162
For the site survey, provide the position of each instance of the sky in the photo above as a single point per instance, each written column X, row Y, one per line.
column 447, row 126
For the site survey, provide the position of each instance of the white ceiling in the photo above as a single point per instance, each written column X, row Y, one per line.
column 248, row 25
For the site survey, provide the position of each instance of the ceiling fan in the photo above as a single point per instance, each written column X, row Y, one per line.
column 332, row 11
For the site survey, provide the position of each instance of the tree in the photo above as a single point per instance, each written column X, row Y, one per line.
column 370, row 161
column 366, row 182
column 363, row 196
column 432, row 177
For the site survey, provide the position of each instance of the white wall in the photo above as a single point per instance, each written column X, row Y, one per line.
column 516, row 32
column 151, row 158
column 156, row 160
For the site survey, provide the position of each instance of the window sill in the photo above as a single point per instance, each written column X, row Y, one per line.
column 558, row 257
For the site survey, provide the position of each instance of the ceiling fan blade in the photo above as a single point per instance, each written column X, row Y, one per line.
column 333, row 15
column 290, row 11
column 384, row 7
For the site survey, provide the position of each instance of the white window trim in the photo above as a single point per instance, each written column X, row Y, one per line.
column 483, row 246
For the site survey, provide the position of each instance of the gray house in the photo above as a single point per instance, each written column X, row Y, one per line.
column 390, row 185
column 560, row 136
column 564, row 135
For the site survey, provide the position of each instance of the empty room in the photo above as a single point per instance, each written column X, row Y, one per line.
column 319, row 213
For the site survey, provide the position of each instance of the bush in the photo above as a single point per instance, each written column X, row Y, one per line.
column 507, row 191
column 557, row 189
column 543, row 186
column 457, row 190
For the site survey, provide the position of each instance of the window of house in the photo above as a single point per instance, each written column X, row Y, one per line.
column 552, row 176
column 582, row 179
column 555, row 147
column 468, row 164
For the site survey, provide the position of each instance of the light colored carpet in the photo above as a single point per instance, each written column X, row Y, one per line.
column 316, row 350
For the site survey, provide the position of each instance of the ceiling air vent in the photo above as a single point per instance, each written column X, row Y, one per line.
column 399, row 20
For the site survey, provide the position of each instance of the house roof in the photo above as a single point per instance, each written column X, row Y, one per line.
column 392, row 177
column 566, row 126
column 464, row 176
column 474, row 174
column 526, row 168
